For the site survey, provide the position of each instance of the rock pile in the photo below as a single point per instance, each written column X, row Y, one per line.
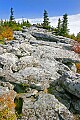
column 41, row 67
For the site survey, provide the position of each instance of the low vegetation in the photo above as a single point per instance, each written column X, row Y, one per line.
column 78, row 67
column 6, row 33
column 6, row 107
column 18, row 109
column 76, row 47
column 7, row 27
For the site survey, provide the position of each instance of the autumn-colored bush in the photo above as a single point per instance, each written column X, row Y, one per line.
column 6, row 32
column 76, row 47
column 78, row 67
column 7, row 107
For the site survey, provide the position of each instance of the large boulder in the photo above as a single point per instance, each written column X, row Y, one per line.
column 71, row 83
column 7, row 61
column 45, row 107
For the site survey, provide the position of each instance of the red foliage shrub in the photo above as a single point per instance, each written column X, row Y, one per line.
column 76, row 47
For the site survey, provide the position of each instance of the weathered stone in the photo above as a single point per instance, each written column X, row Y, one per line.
column 7, row 84
column 2, row 50
column 47, row 107
column 71, row 83
column 27, row 61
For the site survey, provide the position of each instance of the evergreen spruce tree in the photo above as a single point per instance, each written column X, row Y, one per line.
column 58, row 31
column 5, row 23
column 18, row 24
column 11, row 14
column 25, row 23
column 64, row 29
column 28, row 24
column 46, row 20
column 1, row 23
column 11, row 20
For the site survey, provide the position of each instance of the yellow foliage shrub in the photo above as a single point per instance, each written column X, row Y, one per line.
column 78, row 67
column 6, row 32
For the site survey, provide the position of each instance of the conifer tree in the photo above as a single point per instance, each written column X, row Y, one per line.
column 28, row 24
column 1, row 23
column 46, row 20
column 58, row 32
column 5, row 23
column 65, row 30
column 11, row 14
column 25, row 23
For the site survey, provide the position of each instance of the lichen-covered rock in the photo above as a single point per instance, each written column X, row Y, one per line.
column 7, row 60
column 7, row 84
column 46, row 107
column 27, row 61
column 71, row 83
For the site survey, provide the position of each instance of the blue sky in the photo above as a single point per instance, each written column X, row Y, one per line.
column 35, row 8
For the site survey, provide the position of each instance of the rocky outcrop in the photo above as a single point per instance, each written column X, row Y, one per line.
column 41, row 67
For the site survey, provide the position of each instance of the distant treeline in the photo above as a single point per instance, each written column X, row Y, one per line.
column 11, row 25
